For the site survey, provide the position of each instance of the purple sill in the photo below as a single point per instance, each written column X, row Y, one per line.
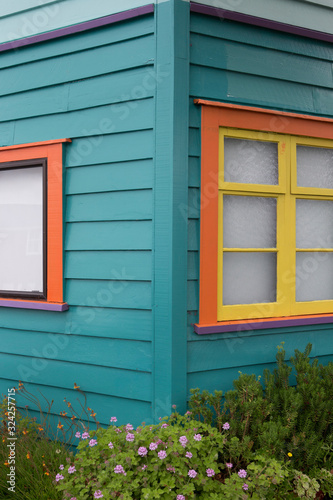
column 43, row 306
column 77, row 28
column 257, row 325
column 259, row 21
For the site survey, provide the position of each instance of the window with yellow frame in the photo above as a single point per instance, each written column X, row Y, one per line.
column 266, row 235
column 275, row 233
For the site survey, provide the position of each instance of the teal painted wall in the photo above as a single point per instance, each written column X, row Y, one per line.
column 242, row 64
column 97, row 88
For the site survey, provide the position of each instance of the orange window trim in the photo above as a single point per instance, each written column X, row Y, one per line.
column 213, row 116
column 53, row 151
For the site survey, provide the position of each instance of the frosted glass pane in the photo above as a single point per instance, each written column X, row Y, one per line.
column 251, row 162
column 314, row 276
column 314, row 167
column 21, row 229
column 314, row 224
column 249, row 278
column 249, row 222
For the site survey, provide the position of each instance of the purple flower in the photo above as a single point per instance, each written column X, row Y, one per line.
column 118, row 430
column 229, row 465
column 197, row 437
column 226, row 426
column 85, row 435
column 192, row 473
column 144, row 467
column 174, row 406
column 188, row 413
column 119, row 469
column 92, row 442
column 142, row 451
column 161, row 454
column 164, row 426
column 113, row 419
column 188, row 454
column 171, row 469
column 153, row 446
column 61, row 467
column 180, row 497
column 71, row 469
column 245, row 486
column 183, row 440
column 210, row 472
column 73, row 498
column 59, row 477
column 110, row 445
column 130, row 437
column 98, row 494
column 242, row 473
column 78, row 434
column 129, row 427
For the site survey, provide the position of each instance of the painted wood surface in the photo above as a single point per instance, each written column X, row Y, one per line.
column 242, row 64
column 98, row 88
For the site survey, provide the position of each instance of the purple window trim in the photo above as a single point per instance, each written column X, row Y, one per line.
column 259, row 21
column 264, row 325
column 43, row 306
column 78, row 28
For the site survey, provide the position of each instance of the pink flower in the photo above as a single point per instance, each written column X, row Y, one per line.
column 171, row 469
column 197, row 437
column 174, row 406
column 61, row 467
column 130, row 437
column 118, row 430
column 180, row 497
column 92, row 442
column 164, row 426
column 161, row 454
column 144, row 467
column 188, row 454
column 245, row 486
column 119, row 469
column 73, row 498
column 192, row 473
column 188, row 413
column 226, row 426
column 229, row 465
column 183, row 441
column 78, row 434
column 85, row 435
column 142, row 451
column 113, row 419
column 110, row 445
column 59, row 477
column 129, row 427
column 242, row 473
column 210, row 472
column 153, row 446
column 98, row 494
column 71, row 469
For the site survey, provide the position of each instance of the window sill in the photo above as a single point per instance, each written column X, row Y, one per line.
column 261, row 324
column 31, row 304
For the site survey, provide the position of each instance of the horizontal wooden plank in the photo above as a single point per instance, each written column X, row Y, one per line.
column 124, row 235
column 107, row 293
column 79, row 65
column 194, row 142
column 99, row 149
column 194, row 172
column 192, row 265
column 193, row 235
column 129, row 265
column 113, row 353
column 126, row 410
column 87, row 123
column 110, row 177
column 192, row 295
column 211, row 83
column 261, row 37
column 127, row 87
column 91, row 378
column 115, row 33
column 194, row 114
column 240, row 350
column 194, row 198
column 117, row 205
column 242, row 58
column 90, row 321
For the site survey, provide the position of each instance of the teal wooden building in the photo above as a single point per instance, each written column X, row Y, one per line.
column 166, row 195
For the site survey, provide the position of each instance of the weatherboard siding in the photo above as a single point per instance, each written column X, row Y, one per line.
column 242, row 64
column 98, row 89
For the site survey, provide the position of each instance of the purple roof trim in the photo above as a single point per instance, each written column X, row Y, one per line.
column 44, row 306
column 77, row 28
column 281, row 323
column 259, row 21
